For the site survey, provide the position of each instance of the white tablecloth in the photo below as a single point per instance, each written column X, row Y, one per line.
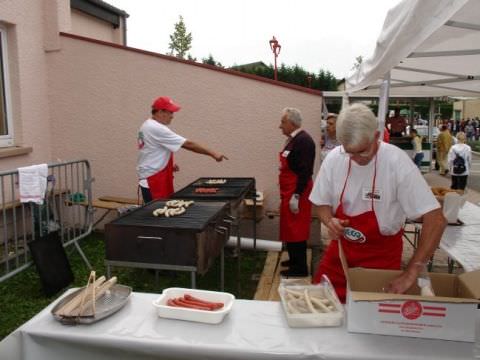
column 462, row 243
column 253, row 330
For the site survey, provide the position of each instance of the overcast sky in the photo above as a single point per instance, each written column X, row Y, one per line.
column 315, row 34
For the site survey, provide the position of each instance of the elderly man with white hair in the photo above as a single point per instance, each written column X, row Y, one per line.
column 364, row 191
column 295, row 180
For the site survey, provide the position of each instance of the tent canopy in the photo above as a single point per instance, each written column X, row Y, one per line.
column 430, row 47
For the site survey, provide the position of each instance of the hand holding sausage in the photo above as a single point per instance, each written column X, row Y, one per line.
column 401, row 283
column 336, row 227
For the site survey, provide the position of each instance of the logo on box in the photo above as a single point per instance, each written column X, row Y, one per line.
column 412, row 310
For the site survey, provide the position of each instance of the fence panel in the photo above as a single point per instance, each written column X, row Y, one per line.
column 67, row 209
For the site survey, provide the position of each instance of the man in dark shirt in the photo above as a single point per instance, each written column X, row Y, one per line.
column 398, row 124
column 295, row 179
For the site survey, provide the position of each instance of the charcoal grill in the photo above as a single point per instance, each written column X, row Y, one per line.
column 187, row 242
column 234, row 190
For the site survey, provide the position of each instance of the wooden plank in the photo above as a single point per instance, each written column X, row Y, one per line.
column 119, row 199
column 266, row 278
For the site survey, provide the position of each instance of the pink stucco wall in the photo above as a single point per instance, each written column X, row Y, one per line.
column 24, row 22
column 100, row 95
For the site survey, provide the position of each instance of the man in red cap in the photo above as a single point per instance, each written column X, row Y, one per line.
column 156, row 145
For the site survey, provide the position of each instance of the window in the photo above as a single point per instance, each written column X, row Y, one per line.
column 6, row 129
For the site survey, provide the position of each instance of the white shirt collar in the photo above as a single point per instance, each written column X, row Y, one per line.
column 295, row 132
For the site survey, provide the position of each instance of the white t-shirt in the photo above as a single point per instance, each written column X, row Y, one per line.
column 400, row 189
column 156, row 142
column 465, row 151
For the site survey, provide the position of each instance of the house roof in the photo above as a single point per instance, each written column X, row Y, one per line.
column 257, row 64
column 101, row 10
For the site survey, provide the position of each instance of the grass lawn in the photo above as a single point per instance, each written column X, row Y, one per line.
column 21, row 297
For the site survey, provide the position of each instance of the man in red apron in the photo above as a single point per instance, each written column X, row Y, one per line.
column 364, row 191
column 295, row 180
column 156, row 145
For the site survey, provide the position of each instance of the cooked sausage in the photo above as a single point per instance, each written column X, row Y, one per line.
column 218, row 305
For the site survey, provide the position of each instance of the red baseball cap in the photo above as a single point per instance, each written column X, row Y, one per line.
column 165, row 103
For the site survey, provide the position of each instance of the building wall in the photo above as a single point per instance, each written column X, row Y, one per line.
column 100, row 95
column 469, row 108
column 89, row 26
column 28, row 36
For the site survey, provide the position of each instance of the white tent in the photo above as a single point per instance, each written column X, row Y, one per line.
column 427, row 48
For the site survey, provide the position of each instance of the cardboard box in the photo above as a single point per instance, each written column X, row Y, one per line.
column 248, row 207
column 450, row 315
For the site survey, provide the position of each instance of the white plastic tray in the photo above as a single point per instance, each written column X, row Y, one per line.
column 204, row 316
column 334, row 318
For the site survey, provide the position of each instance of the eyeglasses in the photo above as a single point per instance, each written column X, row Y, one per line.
column 367, row 152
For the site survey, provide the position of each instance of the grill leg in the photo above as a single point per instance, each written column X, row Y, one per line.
column 222, row 269
column 194, row 279
column 108, row 271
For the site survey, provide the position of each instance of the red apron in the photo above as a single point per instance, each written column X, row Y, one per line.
column 363, row 245
column 161, row 183
column 293, row 227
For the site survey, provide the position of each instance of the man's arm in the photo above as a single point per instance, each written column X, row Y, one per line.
column 200, row 149
column 432, row 229
column 334, row 225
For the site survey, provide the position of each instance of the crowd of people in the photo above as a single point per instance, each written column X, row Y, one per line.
column 471, row 127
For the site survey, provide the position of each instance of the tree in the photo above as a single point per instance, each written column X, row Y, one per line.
column 211, row 61
column 324, row 80
column 358, row 62
column 180, row 41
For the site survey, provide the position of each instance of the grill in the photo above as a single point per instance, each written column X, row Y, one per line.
column 187, row 242
column 233, row 190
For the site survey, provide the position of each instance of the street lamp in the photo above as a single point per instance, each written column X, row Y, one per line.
column 276, row 47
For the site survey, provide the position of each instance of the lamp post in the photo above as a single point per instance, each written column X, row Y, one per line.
column 276, row 47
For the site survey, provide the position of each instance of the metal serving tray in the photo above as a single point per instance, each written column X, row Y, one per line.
column 112, row 301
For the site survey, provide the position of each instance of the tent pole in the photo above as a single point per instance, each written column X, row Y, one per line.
column 383, row 103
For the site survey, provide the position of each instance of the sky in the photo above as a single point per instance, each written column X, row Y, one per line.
column 315, row 34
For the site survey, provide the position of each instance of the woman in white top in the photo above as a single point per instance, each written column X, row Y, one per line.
column 460, row 162
column 417, row 147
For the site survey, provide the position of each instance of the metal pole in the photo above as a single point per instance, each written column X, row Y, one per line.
column 383, row 103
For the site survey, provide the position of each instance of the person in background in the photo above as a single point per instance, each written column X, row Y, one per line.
column 417, row 147
column 364, row 192
column 459, row 180
column 156, row 145
column 470, row 130
column 329, row 141
column 398, row 124
column 295, row 179
column 444, row 143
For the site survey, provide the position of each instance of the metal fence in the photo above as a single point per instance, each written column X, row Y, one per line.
column 67, row 209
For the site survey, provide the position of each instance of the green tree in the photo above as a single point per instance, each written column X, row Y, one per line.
column 211, row 61
column 324, row 80
column 180, row 40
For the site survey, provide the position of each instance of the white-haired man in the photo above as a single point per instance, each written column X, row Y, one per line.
column 296, row 168
column 364, row 191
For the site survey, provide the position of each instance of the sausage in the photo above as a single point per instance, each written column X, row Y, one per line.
column 218, row 305
column 180, row 302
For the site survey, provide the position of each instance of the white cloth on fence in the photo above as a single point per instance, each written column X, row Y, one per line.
column 32, row 181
